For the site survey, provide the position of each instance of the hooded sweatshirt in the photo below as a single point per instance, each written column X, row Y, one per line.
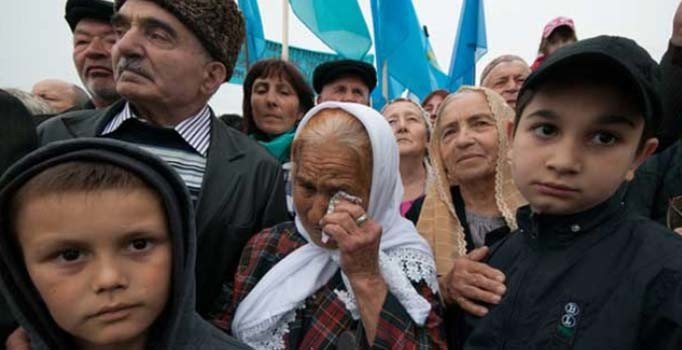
column 178, row 326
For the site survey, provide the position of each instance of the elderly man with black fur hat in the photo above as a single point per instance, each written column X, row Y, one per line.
column 93, row 38
column 344, row 81
column 170, row 57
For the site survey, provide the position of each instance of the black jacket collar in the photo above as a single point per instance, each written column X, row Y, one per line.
column 556, row 231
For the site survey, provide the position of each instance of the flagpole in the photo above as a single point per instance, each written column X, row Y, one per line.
column 384, row 80
column 285, row 30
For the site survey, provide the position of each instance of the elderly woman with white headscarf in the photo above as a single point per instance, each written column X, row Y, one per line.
column 352, row 268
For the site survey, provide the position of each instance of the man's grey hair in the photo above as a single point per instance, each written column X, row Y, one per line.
column 496, row 62
column 35, row 104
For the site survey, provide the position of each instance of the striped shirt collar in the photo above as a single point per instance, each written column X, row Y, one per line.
column 196, row 130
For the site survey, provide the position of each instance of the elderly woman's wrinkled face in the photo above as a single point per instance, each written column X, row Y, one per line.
column 409, row 127
column 322, row 170
column 468, row 138
column 275, row 105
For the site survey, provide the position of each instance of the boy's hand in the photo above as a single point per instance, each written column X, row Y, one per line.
column 470, row 283
column 18, row 340
column 676, row 38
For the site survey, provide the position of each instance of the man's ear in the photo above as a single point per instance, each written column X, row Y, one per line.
column 643, row 154
column 214, row 76
column 317, row 100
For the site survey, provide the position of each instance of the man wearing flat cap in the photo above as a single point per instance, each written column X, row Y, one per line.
column 93, row 38
column 170, row 57
column 344, row 81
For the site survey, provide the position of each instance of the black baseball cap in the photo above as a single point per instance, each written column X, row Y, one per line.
column 616, row 55
column 76, row 10
column 329, row 71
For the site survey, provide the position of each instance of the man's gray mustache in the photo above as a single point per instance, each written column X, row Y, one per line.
column 134, row 66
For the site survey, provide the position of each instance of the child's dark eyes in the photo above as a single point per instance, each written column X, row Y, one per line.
column 544, row 130
column 604, row 138
column 69, row 255
column 140, row 245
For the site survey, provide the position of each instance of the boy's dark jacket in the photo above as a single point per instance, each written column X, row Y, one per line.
column 242, row 193
column 601, row 279
column 179, row 326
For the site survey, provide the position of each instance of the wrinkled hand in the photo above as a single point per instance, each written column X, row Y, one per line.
column 358, row 244
column 676, row 38
column 471, row 283
column 18, row 340
column 678, row 230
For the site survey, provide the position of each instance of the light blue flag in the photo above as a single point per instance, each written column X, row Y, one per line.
column 471, row 44
column 338, row 23
column 305, row 60
column 255, row 40
column 404, row 56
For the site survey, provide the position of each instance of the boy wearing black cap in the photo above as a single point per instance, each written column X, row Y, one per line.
column 97, row 250
column 582, row 273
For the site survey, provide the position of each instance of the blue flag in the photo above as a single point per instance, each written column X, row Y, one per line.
column 305, row 60
column 470, row 45
column 339, row 24
column 404, row 56
column 255, row 40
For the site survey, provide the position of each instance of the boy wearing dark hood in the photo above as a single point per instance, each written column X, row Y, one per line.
column 97, row 250
column 581, row 271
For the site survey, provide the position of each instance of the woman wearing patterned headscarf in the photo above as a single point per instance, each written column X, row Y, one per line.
column 473, row 201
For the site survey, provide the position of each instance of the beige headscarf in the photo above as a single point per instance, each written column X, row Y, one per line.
column 438, row 222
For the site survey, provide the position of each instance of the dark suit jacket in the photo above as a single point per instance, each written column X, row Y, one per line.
column 242, row 193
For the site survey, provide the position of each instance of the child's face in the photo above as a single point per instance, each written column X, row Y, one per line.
column 574, row 146
column 101, row 261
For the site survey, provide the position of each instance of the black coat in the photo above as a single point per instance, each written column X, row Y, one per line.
column 601, row 279
column 242, row 193
column 660, row 178
column 671, row 95
column 657, row 181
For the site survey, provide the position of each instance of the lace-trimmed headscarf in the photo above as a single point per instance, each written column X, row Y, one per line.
column 261, row 320
column 438, row 222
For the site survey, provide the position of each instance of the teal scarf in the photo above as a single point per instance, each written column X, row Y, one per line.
column 278, row 146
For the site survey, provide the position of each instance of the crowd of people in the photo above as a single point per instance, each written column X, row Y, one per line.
column 535, row 211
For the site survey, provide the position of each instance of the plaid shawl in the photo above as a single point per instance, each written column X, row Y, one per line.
column 324, row 318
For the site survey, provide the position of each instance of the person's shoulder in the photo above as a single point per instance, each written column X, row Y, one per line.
column 81, row 123
column 197, row 333
column 240, row 142
column 656, row 242
column 68, row 117
column 280, row 238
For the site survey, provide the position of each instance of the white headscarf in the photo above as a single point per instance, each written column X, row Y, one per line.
column 262, row 318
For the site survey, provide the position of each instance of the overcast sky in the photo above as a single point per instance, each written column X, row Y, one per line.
column 36, row 41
